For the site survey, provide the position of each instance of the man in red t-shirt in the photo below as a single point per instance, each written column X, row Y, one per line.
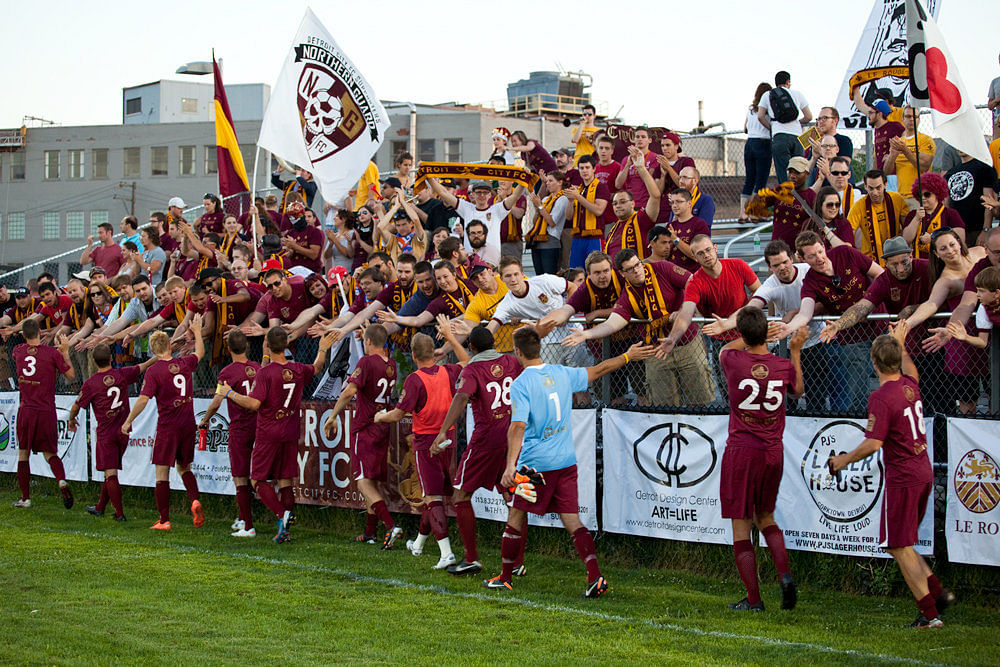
column 607, row 170
column 38, row 366
column 371, row 382
column 108, row 254
column 170, row 381
column 896, row 422
column 427, row 394
column 276, row 397
column 752, row 463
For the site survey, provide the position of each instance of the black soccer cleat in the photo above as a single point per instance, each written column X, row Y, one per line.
column 744, row 605
column 390, row 537
column 596, row 588
column 789, row 596
column 67, row 495
column 92, row 509
column 923, row 622
column 465, row 567
column 120, row 519
column 945, row 600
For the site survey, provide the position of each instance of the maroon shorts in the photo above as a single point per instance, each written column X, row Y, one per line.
column 434, row 472
column 240, row 448
column 481, row 467
column 559, row 494
column 110, row 449
column 903, row 509
column 369, row 452
column 37, row 431
column 174, row 444
column 749, row 481
column 274, row 460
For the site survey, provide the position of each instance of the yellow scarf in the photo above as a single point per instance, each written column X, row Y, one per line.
column 458, row 306
column 585, row 222
column 223, row 317
column 652, row 305
column 695, row 196
column 630, row 235
column 930, row 225
column 539, row 226
column 594, row 305
column 227, row 245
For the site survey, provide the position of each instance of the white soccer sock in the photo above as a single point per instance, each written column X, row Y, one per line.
column 445, row 547
column 419, row 542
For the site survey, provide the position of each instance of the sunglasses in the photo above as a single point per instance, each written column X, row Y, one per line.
column 273, row 285
column 832, row 204
column 938, row 232
column 840, row 173
column 925, row 195
column 95, row 293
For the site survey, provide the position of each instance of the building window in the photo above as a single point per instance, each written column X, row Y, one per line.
column 133, row 106
column 397, row 148
column 97, row 218
column 74, row 224
column 131, row 163
column 187, row 159
column 99, row 156
column 249, row 152
column 17, row 166
column 15, row 227
column 425, row 150
column 51, row 165
column 452, row 150
column 50, row 226
column 76, row 164
column 211, row 160
column 189, row 105
column 159, row 161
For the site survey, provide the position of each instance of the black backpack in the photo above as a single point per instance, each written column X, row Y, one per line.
column 783, row 107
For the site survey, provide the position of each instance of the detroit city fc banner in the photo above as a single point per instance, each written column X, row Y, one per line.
column 323, row 115
column 973, row 514
column 72, row 447
column 661, row 479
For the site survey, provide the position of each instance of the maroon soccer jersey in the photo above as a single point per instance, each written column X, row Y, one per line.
column 170, row 383
column 487, row 384
column 757, row 385
column 279, row 389
column 845, row 287
column 108, row 257
column 237, row 312
column 883, row 134
column 38, row 367
column 896, row 417
column 607, row 173
column 240, row 375
column 212, row 222
column 633, row 182
column 312, row 237
column 661, row 294
column 288, row 310
column 789, row 219
column 374, row 377
column 685, row 232
column 107, row 392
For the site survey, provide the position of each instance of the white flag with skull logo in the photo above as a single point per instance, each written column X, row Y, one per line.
column 323, row 115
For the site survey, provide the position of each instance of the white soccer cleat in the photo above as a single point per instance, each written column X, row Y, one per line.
column 411, row 547
column 243, row 532
column 445, row 561
column 23, row 504
column 239, row 524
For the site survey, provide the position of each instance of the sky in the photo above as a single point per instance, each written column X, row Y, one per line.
column 654, row 60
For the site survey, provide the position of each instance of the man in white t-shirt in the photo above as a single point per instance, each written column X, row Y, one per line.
column 784, row 135
column 532, row 299
column 480, row 209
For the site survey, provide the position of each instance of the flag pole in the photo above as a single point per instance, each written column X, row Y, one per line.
column 916, row 150
column 253, row 194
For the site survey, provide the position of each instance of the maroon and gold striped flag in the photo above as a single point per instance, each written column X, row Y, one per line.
column 232, row 173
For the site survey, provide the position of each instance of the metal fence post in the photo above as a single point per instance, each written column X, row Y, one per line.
column 606, row 380
column 869, row 149
column 994, row 374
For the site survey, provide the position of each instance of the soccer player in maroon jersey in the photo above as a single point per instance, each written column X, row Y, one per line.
column 107, row 392
column 170, row 381
column 371, row 382
column 753, row 460
column 896, row 422
column 485, row 382
column 38, row 366
column 276, row 397
column 241, row 374
column 427, row 394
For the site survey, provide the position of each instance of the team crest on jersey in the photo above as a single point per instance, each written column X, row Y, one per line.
column 543, row 298
column 496, row 370
column 251, row 372
column 760, row 371
column 679, row 271
column 286, row 313
column 548, row 381
column 390, row 371
column 174, row 368
column 488, row 216
column 871, row 423
column 108, row 380
column 909, row 394
column 459, row 384
column 356, row 373
column 32, row 350
column 287, row 375
column 402, row 395
column 894, row 294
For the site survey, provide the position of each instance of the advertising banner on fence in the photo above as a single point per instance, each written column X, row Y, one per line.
column 661, row 475
column 973, row 515
column 210, row 465
column 491, row 505
column 72, row 447
column 819, row 513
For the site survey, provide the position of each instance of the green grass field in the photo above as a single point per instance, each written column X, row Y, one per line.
column 77, row 589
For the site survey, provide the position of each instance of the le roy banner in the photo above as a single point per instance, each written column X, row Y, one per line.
column 72, row 447
column 661, row 479
column 973, row 516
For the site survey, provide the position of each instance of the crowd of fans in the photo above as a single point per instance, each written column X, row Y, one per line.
column 625, row 243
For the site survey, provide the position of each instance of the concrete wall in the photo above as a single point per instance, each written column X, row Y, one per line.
column 161, row 102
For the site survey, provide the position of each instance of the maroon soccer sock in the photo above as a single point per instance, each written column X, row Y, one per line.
column 510, row 550
column 466, row 519
column 243, row 497
column 382, row 512
column 524, row 543
column 114, row 491
column 438, row 520
column 584, row 543
column 57, row 468
column 102, row 501
column 270, row 499
column 371, row 524
column 190, row 485
column 287, row 497
column 928, row 607
column 425, row 522
column 24, row 479
column 776, row 545
column 934, row 586
column 746, row 563
column 162, row 493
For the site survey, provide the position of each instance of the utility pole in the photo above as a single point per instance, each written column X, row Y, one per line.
column 130, row 198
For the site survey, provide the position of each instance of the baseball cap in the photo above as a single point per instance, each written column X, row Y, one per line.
column 883, row 106
column 393, row 181
column 479, row 185
column 96, row 270
column 477, row 269
column 175, row 201
column 272, row 264
column 897, row 245
column 82, row 275
column 331, row 275
column 799, row 164
column 209, row 272
column 22, row 292
column 560, row 150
